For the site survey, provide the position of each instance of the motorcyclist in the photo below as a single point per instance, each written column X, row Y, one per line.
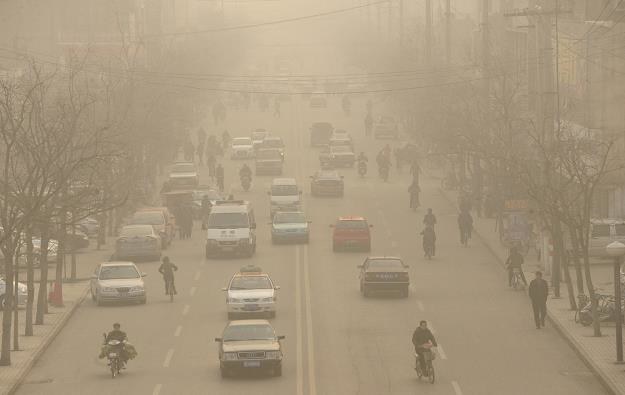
column 119, row 335
column 362, row 157
column 384, row 164
column 429, row 240
column 515, row 260
column 414, row 190
column 167, row 269
column 423, row 339
column 429, row 219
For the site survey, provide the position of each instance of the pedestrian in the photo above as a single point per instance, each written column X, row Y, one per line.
column 415, row 170
column 188, row 213
column 538, row 291
column 414, row 190
column 219, row 173
column 211, row 160
column 276, row 108
column 465, row 224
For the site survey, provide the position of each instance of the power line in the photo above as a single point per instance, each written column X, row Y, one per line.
column 269, row 23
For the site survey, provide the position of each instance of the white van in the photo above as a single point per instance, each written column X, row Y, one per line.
column 231, row 229
column 284, row 195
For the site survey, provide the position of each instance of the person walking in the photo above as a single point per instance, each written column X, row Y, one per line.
column 276, row 108
column 538, row 291
column 465, row 224
column 414, row 190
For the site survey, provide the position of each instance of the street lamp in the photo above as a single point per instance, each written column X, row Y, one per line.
column 617, row 250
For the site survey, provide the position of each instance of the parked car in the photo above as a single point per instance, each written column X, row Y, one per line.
column 138, row 241
column 604, row 232
column 351, row 232
column 384, row 274
column 290, row 227
column 117, row 282
column 89, row 226
column 249, row 345
column 342, row 156
column 22, row 293
column 251, row 292
column 273, row 142
column 327, row 183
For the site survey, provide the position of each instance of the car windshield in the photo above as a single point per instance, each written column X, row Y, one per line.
column 289, row 218
column 148, row 218
column 130, row 231
column 242, row 141
column 211, row 193
column 183, row 168
column 385, row 263
column 268, row 154
column 248, row 332
column 284, row 190
column 118, row 272
column 273, row 143
column 341, row 148
column 228, row 221
column 351, row 224
column 250, row 282
column 258, row 135
column 601, row 230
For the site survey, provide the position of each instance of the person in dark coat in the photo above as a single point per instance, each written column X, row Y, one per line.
column 465, row 223
column 515, row 260
column 423, row 339
column 538, row 291
column 219, row 174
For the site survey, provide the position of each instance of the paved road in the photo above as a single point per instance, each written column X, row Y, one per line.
column 337, row 342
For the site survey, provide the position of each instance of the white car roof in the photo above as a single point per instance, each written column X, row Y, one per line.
column 284, row 181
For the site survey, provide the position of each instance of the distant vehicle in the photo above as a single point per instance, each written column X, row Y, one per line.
column 258, row 136
column 325, row 160
column 213, row 195
column 604, row 232
column 242, row 148
column 318, row 100
column 160, row 219
column 340, row 134
column 327, row 183
column 320, row 133
column 89, row 226
column 284, row 195
column 183, row 175
column 138, row 241
column 249, row 345
column 385, row 127
column 268, row 162
column 341, row 142
column 231, row 229
column 117, row 282
column 290, row 227
column 351, row 232
column 273, row 142
column 22, row 293
column 384, row 274
column 342, row 156
column 251, row 291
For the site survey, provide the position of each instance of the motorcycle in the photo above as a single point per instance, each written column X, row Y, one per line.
column 246, row 182
column 362, row 168
column 114, row 351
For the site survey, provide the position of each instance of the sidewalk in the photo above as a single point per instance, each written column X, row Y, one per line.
column 32, row 347
column 598, row 353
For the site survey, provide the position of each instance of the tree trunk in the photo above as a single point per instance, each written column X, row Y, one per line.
column 30, row 284
column 60, row 256
column 42, row 296
column 15, row 281
column 5, row 348
column 557, row 256
column 591, row 289
column 559, row 241
column 578, row 265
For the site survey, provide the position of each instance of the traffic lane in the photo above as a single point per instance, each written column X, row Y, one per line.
column 78, row 344
column 466, row 288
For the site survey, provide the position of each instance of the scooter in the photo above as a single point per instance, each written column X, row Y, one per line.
column 115, row 348
column 362, row 168
column 246, row 182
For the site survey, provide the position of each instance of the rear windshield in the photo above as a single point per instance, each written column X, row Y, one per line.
column 148, row 218
column 601, row 231
column 268, row 154
column 284, row 190
column 351, row 224
column 289, row 218
column 228, row 221
column 183, row 168
column 242, row 141
column 248, row 332
column 136, row 231
column 385, row 263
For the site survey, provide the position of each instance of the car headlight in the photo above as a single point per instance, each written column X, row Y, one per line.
column 267, row 299
column 229, row 356
column 273, row 354
column 136, row 289
column 234, row 300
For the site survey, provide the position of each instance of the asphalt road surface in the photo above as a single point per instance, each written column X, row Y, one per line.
column 337, row 342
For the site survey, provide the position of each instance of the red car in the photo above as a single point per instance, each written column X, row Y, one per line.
column 351, row 232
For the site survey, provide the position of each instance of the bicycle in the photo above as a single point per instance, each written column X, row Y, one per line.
column 171, row 289
column 582, row 301
column 465, row 235
column 429, row 356
column 517, row 280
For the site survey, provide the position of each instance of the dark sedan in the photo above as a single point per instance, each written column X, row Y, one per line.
column 384, row 274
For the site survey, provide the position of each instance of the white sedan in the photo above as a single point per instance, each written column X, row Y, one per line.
column 251, row 291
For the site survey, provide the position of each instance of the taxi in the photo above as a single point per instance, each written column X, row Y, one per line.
column 251, row 292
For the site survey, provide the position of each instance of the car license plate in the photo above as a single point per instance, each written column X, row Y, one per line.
column 228, row 249
column 251, row 364
column 250, row 307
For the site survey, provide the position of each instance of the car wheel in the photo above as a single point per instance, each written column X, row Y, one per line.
column 277, row 371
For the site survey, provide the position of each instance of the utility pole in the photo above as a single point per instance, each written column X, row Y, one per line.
column 401, row 23
column 428, row 33
column 448, row 32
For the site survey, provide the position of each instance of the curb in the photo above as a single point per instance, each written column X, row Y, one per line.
column 46, row 343
column 607, row 383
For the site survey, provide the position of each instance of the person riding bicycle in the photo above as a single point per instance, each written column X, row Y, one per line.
column 362, row 157
column 245, row 171
column 423, row 339
column 429, row 219
column 465, row 224
column 429, row 240
column 515, row 261
column 167, row 269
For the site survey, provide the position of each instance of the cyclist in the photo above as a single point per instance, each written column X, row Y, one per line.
column 429, row 219
column 515, row 260
column 429, row 241
column 423, row 340
column 167, row 269
column 465, row 224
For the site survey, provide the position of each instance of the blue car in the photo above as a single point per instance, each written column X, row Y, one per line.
column 290, row 227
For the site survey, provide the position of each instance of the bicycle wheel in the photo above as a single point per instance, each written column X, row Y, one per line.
column 431, row 375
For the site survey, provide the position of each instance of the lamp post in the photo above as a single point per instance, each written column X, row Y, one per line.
column 617, row 250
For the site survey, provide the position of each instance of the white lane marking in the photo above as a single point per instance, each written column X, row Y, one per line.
column 457, row 388
column 168, row 357
column 157, row 389
column 421, row 307
column 186, row 309
column 192, row 291
column 312, row 383
column 441, row 352
column 298, row 321
column 197, row 275
column 178, row 331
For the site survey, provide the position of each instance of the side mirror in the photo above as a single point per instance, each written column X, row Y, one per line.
column 282, row 337
column 218, row 339
column 360, row 266
column 253, row 226
column 144, row 274
column 276, row 287
column 224, row 289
